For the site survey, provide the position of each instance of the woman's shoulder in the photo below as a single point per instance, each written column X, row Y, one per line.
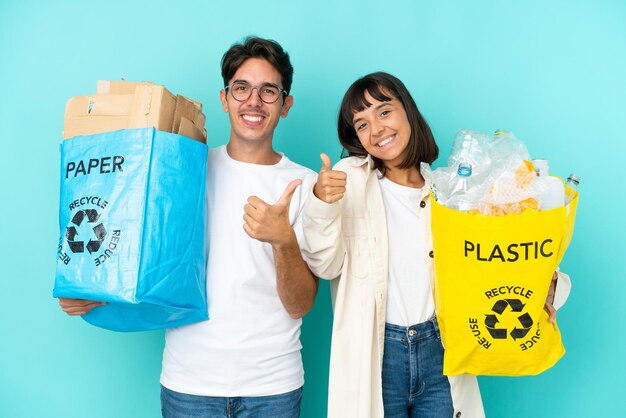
column 353, row 163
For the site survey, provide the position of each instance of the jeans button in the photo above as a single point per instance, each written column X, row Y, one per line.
column 411, row 332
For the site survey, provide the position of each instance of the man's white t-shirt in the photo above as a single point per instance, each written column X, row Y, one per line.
column 409, row 294
column 249, row 346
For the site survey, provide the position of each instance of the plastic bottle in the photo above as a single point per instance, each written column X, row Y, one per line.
column 461, row 197
column 470, row 147
column 573, row 181
column 504, row 144
column 551, row 191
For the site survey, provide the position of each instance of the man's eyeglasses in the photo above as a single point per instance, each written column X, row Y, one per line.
column 268, row 93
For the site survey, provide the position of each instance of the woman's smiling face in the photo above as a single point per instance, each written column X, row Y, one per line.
column 384, row 130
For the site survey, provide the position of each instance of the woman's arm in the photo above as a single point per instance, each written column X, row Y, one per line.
column 563, row 287
column 323, row 248
column 558, row 293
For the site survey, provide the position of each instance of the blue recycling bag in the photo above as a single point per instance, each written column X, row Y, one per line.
column 132, row 218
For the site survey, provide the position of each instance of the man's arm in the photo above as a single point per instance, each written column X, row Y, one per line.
column 78, row 306
column 295, row 283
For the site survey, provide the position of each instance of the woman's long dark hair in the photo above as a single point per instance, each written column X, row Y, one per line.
column 382, row 86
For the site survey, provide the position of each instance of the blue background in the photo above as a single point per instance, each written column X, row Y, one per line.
column 553, row 72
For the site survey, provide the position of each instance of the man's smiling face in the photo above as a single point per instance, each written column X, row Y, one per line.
column 253, row 119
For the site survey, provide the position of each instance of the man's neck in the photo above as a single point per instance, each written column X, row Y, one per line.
column 253, row 152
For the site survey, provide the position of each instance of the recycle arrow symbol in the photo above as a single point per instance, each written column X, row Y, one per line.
column 527, row 322
column 516, row 305
column 500, row 306
column 101, row 232
column 490, row 322
column 98, row 230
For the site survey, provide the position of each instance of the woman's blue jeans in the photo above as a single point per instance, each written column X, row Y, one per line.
column 413, row 380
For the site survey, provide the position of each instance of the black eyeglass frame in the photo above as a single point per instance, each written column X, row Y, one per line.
column 258, row 91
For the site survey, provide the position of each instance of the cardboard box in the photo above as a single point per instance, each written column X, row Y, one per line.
column 119, row 86
column 190, row 130
column 189, row 111
column 85, row 115
column 127, row 105
column 153, row 106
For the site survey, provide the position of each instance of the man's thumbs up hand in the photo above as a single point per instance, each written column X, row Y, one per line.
column 285, row 200
column 331, row 184
column 270, row 223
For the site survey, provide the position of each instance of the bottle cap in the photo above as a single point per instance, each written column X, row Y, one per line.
column 574, row 179
column 464, row 170
column 541, row 166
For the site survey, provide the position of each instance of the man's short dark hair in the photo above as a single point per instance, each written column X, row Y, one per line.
column 382, row 87
column 254, row 47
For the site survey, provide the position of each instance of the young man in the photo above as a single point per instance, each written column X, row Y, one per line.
column 245, row 360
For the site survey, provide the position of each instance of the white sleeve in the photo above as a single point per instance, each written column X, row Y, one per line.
column 323, row 248
column 563, row 287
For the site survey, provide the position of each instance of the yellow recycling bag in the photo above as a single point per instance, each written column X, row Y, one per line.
column 492, row 278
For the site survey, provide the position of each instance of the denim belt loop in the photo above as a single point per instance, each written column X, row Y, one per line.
column 435, row 323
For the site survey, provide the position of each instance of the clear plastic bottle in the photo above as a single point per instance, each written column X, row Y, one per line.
column 551, row 191
column 504, row 144
column 573, row 181
column 461, row 196
column 470, row 147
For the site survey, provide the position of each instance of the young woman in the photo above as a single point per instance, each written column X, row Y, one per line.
column 367, row 226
